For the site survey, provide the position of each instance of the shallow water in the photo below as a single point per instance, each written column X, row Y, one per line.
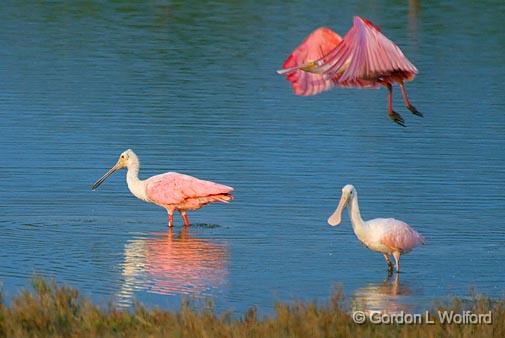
column 192, row 88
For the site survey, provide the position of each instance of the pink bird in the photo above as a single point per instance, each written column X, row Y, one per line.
column 388, row 236
column 364, row 58
column 172, row 191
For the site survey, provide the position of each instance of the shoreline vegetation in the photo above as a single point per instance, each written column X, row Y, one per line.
column 52, row 310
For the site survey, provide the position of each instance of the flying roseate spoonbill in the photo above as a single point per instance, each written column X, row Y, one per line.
column 364, row 58
column 388, row 236
column 172, row 191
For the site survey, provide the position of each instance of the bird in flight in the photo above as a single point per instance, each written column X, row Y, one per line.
column 363, row 58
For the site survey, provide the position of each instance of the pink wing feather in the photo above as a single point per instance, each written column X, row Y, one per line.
column 364, row 56
column 174, row 188
column 315, row 46
column 399, row 235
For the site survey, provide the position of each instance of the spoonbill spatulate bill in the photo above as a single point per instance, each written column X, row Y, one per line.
column 388, row 236
column 172, row 191
column 363, row 58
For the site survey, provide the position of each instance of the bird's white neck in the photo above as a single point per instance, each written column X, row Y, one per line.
column 135, row 185
column 358, row 225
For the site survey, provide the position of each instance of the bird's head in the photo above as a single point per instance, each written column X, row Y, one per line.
column 126, row 159
column 348, row 193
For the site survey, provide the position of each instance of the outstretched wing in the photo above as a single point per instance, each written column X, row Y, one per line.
column 363, row 56
column 315, row 46
column 174, row 188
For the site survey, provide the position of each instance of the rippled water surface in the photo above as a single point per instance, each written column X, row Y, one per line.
column 191, row 88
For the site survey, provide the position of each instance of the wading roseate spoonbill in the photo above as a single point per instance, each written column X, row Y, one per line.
column 172, row 191
column 364, row 58
column 388, row 236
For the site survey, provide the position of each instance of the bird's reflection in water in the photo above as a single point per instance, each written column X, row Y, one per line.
column 389, row 297
column 172, row 264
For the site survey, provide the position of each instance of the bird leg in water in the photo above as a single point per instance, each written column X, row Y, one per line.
column 170, row 218
column 395, row 117
column 396, row 255
column 407, row 102
column 388, row 262
column 184, row 218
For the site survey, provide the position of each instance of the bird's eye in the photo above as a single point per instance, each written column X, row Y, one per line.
column 122, row 156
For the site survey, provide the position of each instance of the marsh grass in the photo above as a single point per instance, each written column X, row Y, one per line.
column 59, row 311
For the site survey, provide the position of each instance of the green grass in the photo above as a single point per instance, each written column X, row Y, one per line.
column 59, row 311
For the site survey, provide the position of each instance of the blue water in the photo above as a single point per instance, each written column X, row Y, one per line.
column 192, row 88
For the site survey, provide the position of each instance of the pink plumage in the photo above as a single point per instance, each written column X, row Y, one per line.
column 388, row 236
column 172, row 191
column 364, row 58
column 396, row 234
column 179, row 191
column 305, row 83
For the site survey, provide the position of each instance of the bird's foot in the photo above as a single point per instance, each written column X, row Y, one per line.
column 415, row 111
column 396, row 118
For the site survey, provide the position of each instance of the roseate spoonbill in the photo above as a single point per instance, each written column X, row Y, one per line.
column 364, row 58
column 172, row 191
column 388, row 236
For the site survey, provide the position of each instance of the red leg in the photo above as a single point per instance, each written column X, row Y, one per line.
column 407, row 102
column 170, row 221
column 184, row 218
column 395, row 117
